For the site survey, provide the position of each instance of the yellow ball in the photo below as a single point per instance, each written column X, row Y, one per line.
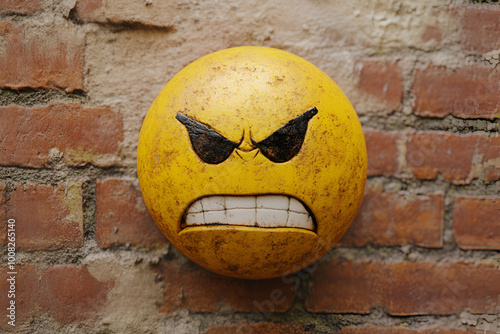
column 252, row 162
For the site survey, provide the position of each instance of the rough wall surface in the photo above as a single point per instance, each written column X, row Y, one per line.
column 423, row 255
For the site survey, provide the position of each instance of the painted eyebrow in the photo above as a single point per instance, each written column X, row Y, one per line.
column 208, row 144
column 281, row 146
column 284, row 143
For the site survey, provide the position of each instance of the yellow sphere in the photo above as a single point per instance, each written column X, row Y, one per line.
column 252, row 162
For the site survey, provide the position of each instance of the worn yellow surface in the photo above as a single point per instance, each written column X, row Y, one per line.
column 253, row 90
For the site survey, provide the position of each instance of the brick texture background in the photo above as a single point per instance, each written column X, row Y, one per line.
column 423, row 255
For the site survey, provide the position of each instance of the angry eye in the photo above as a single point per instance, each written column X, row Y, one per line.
column 209, row 145
column 281, row 146
column 285, row 143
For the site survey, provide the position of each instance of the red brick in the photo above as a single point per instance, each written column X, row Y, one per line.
column 122, row 216
column 83, row 134
column 70, row 293
column 87, row 9
column 66, row 293
column 260, row 328
column 487, row 155
column 382, row 80
column 3, row 215
column 382, row 151
column 41, row 58
column 432, row 33
column 404, row 288
column 196, row 289
column 476, row 222
column 480, row 28
column 399, row 330
column 458, row 157
column 162, row 14
column 47, row 217
column 21, row 7
column 344, row 287
column 387, row 219
column 26, row 288
column 468, row 92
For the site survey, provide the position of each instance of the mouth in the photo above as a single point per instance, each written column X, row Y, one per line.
column 265, row 211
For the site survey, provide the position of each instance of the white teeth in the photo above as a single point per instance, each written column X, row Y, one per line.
column 239, row 202
column 239, row 217
column 296, row 206
column 212, row 203
column 276, row 202
column 195, row 207
column 195, row 218
column 297, row 220
column 215, row 217
column 262, row 210
column 270, row 218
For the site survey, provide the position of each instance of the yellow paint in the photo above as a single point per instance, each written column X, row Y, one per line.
column 253, row 90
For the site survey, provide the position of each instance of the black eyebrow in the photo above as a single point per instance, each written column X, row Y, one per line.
column 208, row 144
column 194, row 126
column 284, row 143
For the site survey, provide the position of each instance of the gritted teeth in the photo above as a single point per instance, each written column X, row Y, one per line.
column 260, row 210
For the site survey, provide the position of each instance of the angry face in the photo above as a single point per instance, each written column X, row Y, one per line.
column 252, row 162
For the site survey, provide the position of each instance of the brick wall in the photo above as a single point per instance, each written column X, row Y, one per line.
column 423, row 255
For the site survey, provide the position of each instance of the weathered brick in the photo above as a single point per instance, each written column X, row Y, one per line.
column 486, row 163
column 48, row 56
column 382, row 148
column 387, row 219
column 476, row 222
column 264, row 327
column 408, row 21
column 382, row 80
column 3, row 215
column 159, row 14
column 432, row 33
column 47, row 217
column 468, row 92
column 403, row 288
column 399, row 330
column 122, row 216
column 196, row 289
column 66, row 293
column 344, row 287
column 480, row 28
column 33, row 136
column 21, row 7
column 70, row 293
column 458, row 157
column 26, row 288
